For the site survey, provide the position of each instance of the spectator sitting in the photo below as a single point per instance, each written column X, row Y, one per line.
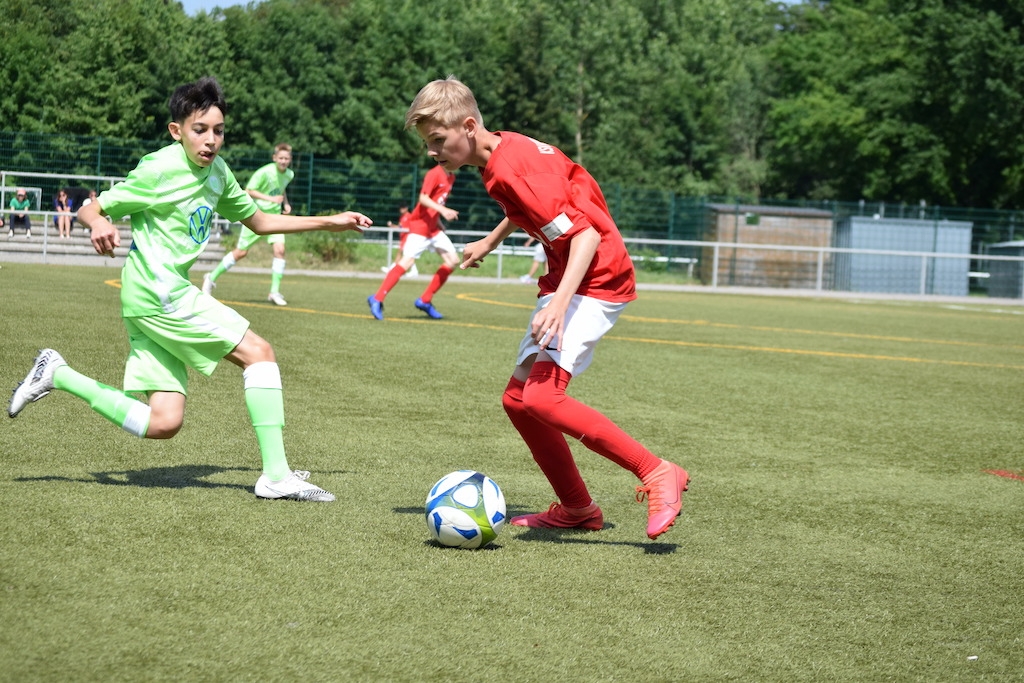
column 20, row 206
column 62, row 205
column 86, row 202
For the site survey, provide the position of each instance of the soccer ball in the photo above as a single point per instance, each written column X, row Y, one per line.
column 465, row 509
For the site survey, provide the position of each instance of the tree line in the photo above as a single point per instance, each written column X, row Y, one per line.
column 885, row 100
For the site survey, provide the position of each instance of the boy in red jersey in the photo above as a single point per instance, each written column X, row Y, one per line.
column 424, row 233
column 589, row 281
column 403, row 222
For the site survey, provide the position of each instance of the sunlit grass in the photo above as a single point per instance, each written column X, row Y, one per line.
column 842, row 523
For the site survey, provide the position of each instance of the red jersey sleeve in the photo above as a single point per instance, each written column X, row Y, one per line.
column 552, row 198
column 437, row 184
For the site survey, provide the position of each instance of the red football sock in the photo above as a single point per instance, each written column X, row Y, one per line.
column 436, row 282
column 549, row 449
column 545, row 398
column 390, row 280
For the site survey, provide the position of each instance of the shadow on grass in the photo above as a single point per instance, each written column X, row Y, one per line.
column 578, row 536
column 493, row 545
column 584, row 538
column 176, row 477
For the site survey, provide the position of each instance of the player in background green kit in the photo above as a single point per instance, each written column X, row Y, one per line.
column 267, row 186
column 172, row 196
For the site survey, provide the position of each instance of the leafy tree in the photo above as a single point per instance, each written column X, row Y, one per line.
column 30, row 36
column 904, row 101
column 896, row 100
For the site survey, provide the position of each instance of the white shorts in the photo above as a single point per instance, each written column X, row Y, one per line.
column 539, row 255
column 587, row 320
column 417, row 245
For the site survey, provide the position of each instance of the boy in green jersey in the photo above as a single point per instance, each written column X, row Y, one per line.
column 172, row 196
column 267, row 186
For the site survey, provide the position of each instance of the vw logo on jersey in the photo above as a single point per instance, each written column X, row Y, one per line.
column 200, row 223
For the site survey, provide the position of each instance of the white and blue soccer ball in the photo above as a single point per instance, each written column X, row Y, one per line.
column 465, row 509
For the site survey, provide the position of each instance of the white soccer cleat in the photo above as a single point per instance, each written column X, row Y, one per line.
column 292, row 487
column 208, row 284
column 277, row 299
column 38, row 383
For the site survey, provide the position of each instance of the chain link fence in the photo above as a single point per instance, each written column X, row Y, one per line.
column 668, row 228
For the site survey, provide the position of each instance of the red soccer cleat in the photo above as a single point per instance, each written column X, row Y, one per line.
column 560, row 517
column 663, row 489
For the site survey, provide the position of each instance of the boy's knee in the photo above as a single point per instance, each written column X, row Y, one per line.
column 262, row 350
column 512, row 404
column 163, row 427
column 512, row 399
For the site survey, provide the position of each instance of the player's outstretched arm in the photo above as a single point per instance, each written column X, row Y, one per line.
column 271, row 223
column 474, row 252
column 103, row 234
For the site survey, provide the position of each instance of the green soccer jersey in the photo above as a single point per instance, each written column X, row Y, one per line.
column 171, row 202
column 21, row 204
column 267, row 180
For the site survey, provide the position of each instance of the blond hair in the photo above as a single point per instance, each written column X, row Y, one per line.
column 447, row 102
column 283, row 147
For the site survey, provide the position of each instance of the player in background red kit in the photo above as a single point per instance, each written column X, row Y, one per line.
column 590, row 280
column 403, row 222
column 424, row 233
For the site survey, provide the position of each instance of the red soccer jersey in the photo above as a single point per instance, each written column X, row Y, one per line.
column 437, row 184
column 552, row 198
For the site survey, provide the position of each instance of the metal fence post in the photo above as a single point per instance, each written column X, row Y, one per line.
column 821, row 269
column 714, row 268
column 309, row 186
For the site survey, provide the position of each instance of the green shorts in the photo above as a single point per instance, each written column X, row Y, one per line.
column 197, row 335
column 247, row 238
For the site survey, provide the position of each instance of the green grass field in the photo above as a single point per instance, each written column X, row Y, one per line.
column 842, row 523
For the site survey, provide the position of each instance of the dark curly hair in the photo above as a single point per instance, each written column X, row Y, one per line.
column 199, row 96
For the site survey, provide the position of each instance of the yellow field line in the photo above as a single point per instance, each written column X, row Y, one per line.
column 825, row 354
column 762, row 328
column 663, row 342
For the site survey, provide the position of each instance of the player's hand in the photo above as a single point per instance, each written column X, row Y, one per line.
column 473, row 255
column 546, row 328
column 350, row 220
column 449, row 214
column 105, row 238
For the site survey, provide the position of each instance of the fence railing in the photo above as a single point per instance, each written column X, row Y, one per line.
column 325, row 185
column 715, row 264
column 921, row 277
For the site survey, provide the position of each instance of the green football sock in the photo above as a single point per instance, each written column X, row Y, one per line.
column 225, row 265
column 276, row 273
column 126, row 412
column 266, row 410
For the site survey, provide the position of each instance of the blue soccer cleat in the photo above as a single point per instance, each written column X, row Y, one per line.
column 376, row 307
column 428, row 309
